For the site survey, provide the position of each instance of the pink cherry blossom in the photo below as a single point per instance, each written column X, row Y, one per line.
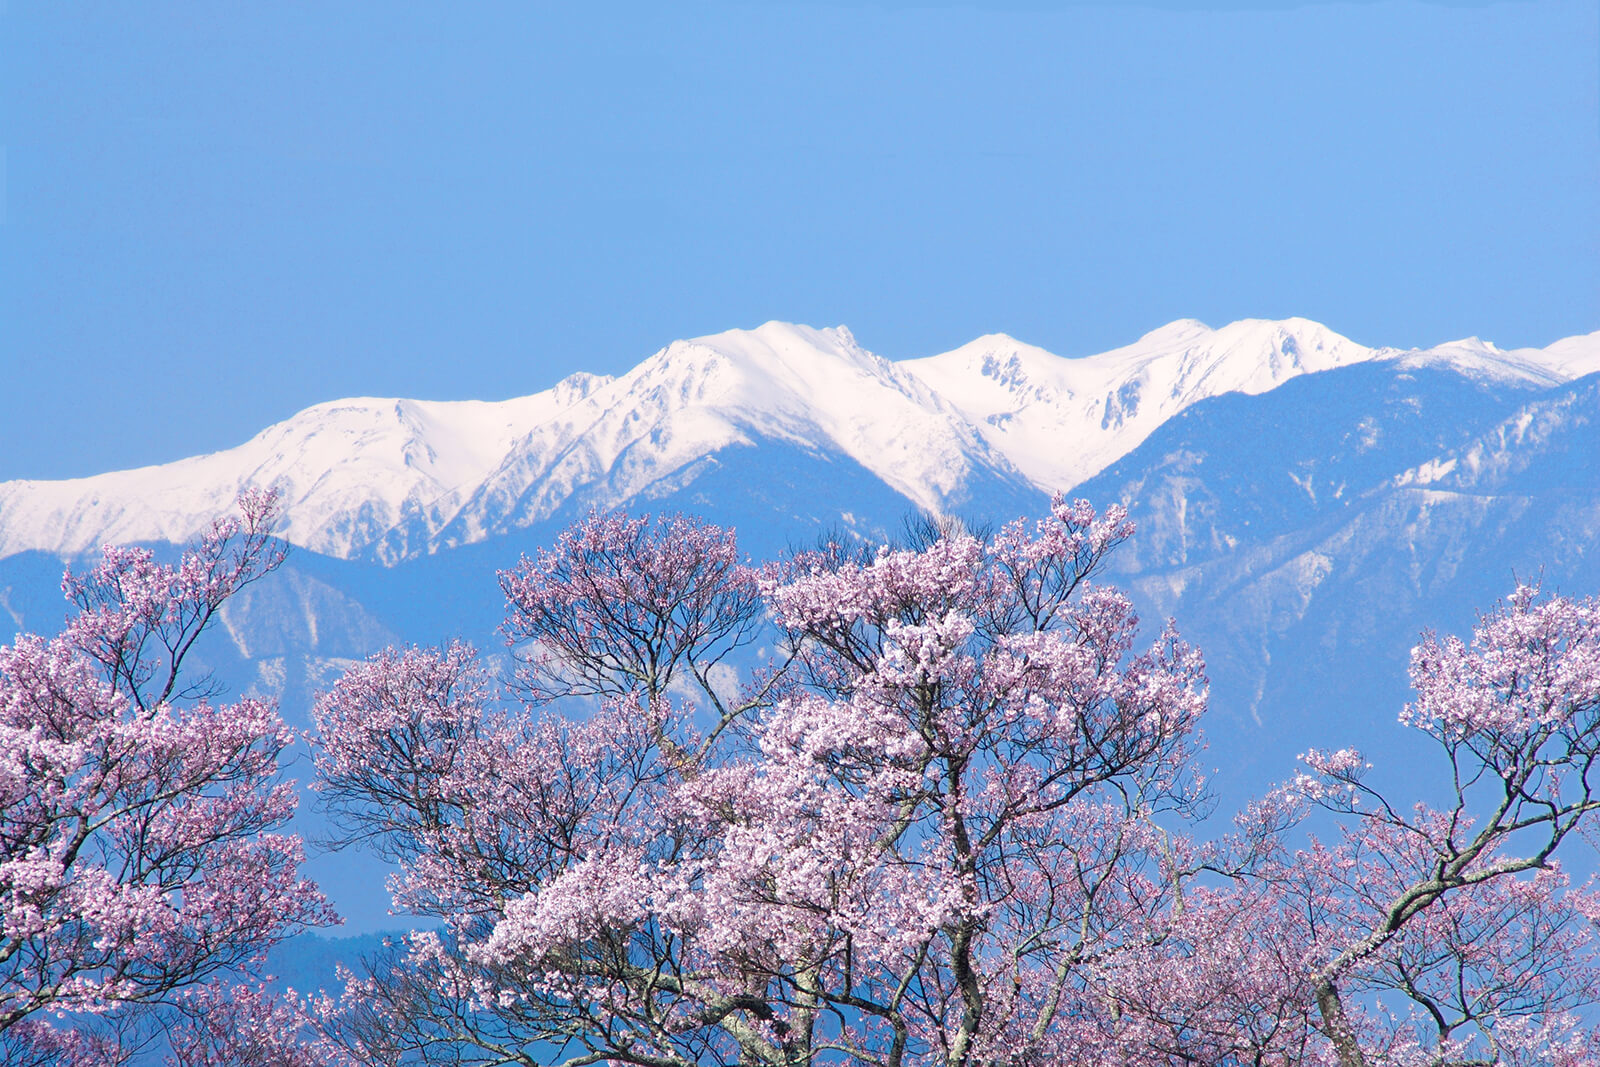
column 948, row 818
column 138, row 820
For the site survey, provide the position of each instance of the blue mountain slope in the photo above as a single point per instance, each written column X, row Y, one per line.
column 775, row 496
column 291, row 634
column 30, row 594
column 1237, row 470
column 1304, row 538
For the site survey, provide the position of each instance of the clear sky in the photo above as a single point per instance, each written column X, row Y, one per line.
column 213, row 215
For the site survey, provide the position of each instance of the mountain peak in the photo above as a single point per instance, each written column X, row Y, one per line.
column 1297, row 333
column 988, row 352
column 580, row 385
column 393, row 477
column 991, row 341
column 1178, row 331
column 1574, row 357
column 775, row 333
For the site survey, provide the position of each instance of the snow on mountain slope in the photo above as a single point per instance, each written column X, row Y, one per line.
column 395, row 478
column 1484, row 361
column 1568, row 358
column 392, row 479
column 350, row 470
column 641, row 435
column 1062, row 420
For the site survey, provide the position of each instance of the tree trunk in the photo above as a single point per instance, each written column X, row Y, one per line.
column 1337, row 1027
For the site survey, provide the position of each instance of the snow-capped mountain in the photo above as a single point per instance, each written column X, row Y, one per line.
column 1305, row 537
column 645, row 435
column 1064, row 420
column 397, row 478
column 390, row 479
column 351, row 471
column 1305, row 505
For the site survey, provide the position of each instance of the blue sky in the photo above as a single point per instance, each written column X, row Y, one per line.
column 215, row 215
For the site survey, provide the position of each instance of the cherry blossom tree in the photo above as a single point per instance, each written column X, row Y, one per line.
column 947, row 817
column 1432, row 934
column 1460, row 908
column 139, row 852
column 915, row 836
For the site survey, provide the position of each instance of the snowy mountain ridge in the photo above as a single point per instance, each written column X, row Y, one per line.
column 394, row 479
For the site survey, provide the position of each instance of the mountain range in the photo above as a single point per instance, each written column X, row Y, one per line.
column 1306, row 505
column 988, row 425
